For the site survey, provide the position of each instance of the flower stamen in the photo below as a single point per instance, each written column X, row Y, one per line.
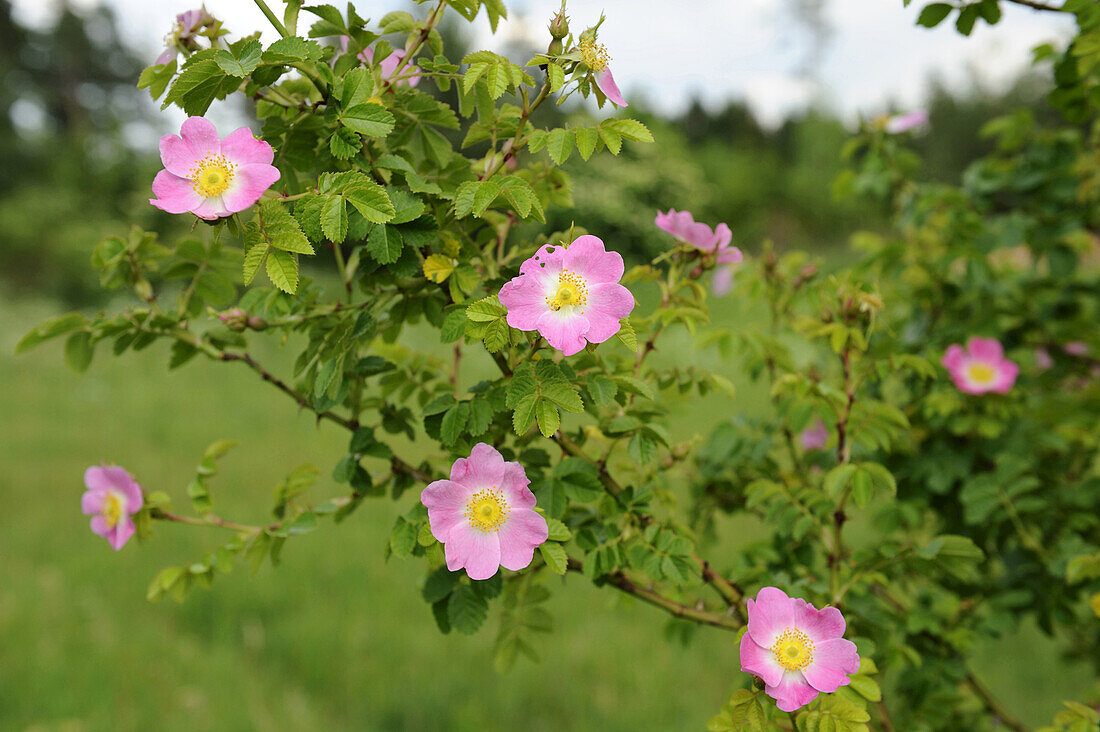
column 594, row 55
column 111, row 511
column 793, row 650
column 487, row 510
column 980, row 372
column 211, row 176
column 572, row 291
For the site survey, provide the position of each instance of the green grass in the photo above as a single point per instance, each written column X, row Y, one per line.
column 335, row 638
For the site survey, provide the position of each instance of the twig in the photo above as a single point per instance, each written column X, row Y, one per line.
column 621, row 582
column 1039, row 6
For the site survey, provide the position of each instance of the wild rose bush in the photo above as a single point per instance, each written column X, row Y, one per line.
column 940, row 393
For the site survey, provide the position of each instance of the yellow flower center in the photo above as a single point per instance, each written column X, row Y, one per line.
column 594, row 55
column 793, row 650
column 572, row 290
column 212, row 175
column 980, row 373
column 487, row 510
column 111, row 510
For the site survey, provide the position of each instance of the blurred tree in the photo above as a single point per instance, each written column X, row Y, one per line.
column 68, row 108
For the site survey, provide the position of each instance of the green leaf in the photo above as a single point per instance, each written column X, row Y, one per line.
column 554, row 556
column 486, row 193
column 403, row 538
column 587, row 137
column 279, row 229
column 485, row 310
column 558, row 530
column 385, row 244
column 632, row 129
column 548, row 418
column 454, row 421
column 556, row 75
column 156, row 78
column 627, row 335
column 282, row 268
column 200, row 83
column 290, row 50
column 466, row 610
column 560, row 144
column 253, row 259
column 371, row 201
column 524, row 414
column 439, row 584
column 933, row 14
column 345, row 144
column 372, row 120
column 79, row 351
column 51, row 328
column 334, row 219
column 612, row 139
column 438, row 268
column 243, row 61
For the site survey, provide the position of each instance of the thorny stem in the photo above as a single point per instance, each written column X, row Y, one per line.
column 431, row 21
column 509, row 148
column 843, row 456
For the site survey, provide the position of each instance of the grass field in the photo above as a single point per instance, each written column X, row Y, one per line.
column 333, row 639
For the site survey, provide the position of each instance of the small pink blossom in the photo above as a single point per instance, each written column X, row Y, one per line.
column 796, row 649
column 816, row 437
column 111, row 499
column 899, row 123
column 1076, row 348
column 1043, row 361
column 388, row 65
column 484, row 514
column 682, row 225
column 569, row 295
column 981, row 368
column 183, row 33
column 722, row 282
column 211, row 177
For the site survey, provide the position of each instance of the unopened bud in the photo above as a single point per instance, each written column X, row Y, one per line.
column 234, row 319
column 257, row 323
column 559, row 24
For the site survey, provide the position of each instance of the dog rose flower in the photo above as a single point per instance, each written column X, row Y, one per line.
column 111, row 499
column 211, row 177
column 571, row 296
column 594, row 56
column 981, row 367
column 814, row 438
column 484, row 515
column 796, row 649
column 682, row 225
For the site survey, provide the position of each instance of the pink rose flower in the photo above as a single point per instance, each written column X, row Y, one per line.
column 981, row 368
column 682, row 225
column 111, row 499
column 816, row 437
column 183, row 33
column 1076, row 348
column 1043, row 361
column 484, row 514
column 796, row 649
column 594, row 56
column 211, row 177
column 569, row 295
column 898, row 123
column 388, row 65
column 722, row 282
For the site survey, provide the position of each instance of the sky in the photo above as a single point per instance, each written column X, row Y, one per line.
column 673, row 51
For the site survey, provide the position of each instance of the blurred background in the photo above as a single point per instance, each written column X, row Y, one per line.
column 750, row 102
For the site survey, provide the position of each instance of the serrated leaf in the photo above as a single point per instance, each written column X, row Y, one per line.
column 466, row 609
column 280, row 230
column 627, row 336
column 372, row 120
column 632, row 129
column 560, row 144
column 612, row 139
column 587, row 137
column 557, row 76
column 282, row 269
column 438, row 268
column 243, row 62
column 385, row 244
column 554, row 556
column 252, row 261
column 371, row 201
column 345, row 143
column 334, row 219
column 548, row 418
column 486, row 192
column 524, row 414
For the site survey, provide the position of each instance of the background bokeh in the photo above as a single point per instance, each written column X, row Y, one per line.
column 337, row 638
